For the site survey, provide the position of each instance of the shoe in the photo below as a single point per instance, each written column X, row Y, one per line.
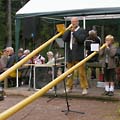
column 106, row 93
column 68, row 90
column 111, row 93
column 84, row 92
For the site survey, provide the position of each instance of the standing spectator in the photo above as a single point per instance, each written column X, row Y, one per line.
column 75, row 52
column 108, row 54
column 92, row 38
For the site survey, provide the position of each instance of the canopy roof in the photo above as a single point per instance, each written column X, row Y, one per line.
column 66, row 8
column 88, row 9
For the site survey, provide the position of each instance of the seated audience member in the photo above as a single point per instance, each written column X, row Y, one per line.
column 11, row 61
column 3, row 60
column 25, row 53
column 11, row 57
column 39, row 59
column 109, row 65
column 20, row 54
column 51, row 59
column 25, row 70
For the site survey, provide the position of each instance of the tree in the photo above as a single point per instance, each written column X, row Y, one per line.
column 3, row 30
column 8, row 9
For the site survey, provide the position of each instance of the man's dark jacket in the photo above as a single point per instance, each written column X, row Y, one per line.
column 88, row 47
column 11, row 61
column 77, row 52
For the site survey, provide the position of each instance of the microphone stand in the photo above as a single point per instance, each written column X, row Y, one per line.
column 66, row 96
column 67, row 103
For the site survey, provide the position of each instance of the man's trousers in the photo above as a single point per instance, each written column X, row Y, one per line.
column 82, row 76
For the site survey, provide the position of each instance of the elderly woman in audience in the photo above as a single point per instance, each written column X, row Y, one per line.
column 51, row 59
column 25, row 53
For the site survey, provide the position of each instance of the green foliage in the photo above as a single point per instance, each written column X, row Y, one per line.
column 2, row 24
column 46, row 30
column 15, row 6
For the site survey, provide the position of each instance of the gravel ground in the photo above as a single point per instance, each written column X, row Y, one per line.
column 41, row 109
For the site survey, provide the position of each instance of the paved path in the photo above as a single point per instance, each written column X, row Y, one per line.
column 46, row 108
column 93, row 93
column 52, row 110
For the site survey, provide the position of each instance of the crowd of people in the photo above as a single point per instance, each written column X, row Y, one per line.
column 9, row 58
column 78, row 46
